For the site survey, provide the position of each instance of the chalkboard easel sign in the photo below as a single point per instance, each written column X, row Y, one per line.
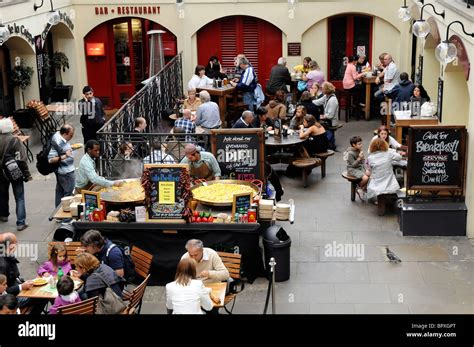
column 241, row 203
column 240, row 153
column 166, row 188
column 91, row 199
column 436, row 158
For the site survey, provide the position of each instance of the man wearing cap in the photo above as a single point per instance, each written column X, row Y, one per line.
column 92, row 114
column 202, row 165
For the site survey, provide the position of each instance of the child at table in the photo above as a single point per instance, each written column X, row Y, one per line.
column 66, row 294
column 3, row 284
column 355, row 161
column 57, row 258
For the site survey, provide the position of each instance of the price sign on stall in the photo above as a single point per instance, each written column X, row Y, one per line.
column 241, row 203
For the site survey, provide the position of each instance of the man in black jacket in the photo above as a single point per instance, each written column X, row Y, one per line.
column 12, row 146
column 92, row 114
column 279, row 77
column 244, row 122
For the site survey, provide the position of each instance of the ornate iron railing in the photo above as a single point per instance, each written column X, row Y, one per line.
column 153, row 101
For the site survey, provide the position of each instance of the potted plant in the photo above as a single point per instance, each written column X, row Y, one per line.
column 60, row 63
column 20, row 76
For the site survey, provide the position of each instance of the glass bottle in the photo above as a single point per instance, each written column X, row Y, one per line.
column 60, row 273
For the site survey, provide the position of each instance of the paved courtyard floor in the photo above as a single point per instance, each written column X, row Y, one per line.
column 436, row 274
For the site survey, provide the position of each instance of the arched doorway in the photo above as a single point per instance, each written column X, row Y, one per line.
column 117, row 57
column 348, row 34
column 260, row 41
column 7, row 100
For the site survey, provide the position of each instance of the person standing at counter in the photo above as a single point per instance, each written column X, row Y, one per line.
column 210, row 267
column 202, row 165
column 92, row 114
column 86, row 175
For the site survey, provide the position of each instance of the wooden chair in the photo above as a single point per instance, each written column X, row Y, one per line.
column 46, row 124
column 233, row 263
column 88, row 306
column 142, row 261
column 354, row 182
column 136, row 296
column 71, row 248
column 323, row 157
column 306, row 165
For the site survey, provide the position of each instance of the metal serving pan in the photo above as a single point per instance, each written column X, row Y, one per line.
column 113, row 196
column 255, row 185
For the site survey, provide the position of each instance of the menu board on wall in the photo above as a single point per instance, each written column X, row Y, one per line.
column 240, row 153
column 436, row 158
column 165, row 191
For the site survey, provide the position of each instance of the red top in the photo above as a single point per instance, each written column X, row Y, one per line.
column 350, row 76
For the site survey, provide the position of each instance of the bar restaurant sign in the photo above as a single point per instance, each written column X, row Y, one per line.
column 240, row 153
column 167, row 190
column 436, row 158
column 126, row 10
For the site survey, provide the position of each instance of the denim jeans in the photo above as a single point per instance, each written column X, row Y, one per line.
column 249, row 99
column 64, row 186
column 19, row 193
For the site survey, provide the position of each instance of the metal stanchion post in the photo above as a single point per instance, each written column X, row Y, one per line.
column 272, row 264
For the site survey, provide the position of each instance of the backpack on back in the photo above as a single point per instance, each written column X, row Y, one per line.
column 10, row 167
column 42, row 162
column 128, row 266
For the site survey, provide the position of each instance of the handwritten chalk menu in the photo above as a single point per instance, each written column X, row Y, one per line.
column 91, row 199
column 164, row 192
column 240, row 153
column 436, row 158
column 241, row 203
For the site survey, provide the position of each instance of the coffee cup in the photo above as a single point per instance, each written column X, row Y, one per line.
column 66, row 203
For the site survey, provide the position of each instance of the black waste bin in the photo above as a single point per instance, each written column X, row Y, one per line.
column 63, row 232
column 277, row 245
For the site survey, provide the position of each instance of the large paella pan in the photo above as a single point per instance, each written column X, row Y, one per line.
column 131, row 191
column 220, row 193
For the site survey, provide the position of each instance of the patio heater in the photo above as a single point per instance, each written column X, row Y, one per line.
column 157, row 57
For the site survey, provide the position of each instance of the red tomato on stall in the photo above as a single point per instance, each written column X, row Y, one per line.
column 198, row 220
column 204, row 219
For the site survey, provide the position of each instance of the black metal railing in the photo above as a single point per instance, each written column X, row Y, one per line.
column 155, row 100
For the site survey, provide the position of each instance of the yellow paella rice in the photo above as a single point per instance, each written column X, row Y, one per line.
column 129, row 191
column 220, row 192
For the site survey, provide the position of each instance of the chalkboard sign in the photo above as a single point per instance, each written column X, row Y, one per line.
column 240, row 153
column 165, row 190
column 91, row 199
column 241, row 203
column 436, row 158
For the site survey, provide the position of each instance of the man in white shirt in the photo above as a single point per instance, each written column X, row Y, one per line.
column 391, row 78
column 210, row 267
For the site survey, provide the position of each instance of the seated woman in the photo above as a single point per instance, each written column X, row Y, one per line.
column 312, row 109
column 276, row 108
column 352, row 80
column 382, row 133
column 192, row 102
column 296, row 122
column 331, row 110
column 214, row 69
column 382, row 179
column 199, row 79
column 187, row 294
column 317, row 141
column 420, row 96
column 96, row 276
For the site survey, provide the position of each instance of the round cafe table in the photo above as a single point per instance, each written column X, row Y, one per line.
column 288, row 141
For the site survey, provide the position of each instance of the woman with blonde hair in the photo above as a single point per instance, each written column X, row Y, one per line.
column 331, row 110
column 96, row 276
column 382, row 179
column 192, row 102
column 296, row 122
column 187, row 294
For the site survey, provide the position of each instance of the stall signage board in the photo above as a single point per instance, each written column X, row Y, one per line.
column 436, row 158
column 165, row 195
column 241, row 203
column 91, row 199
column 240, row 153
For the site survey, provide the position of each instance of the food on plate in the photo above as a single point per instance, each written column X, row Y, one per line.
column 76, row 145
column 129, row 191
column 40, row 281
column 220, row 192
column 215, row 299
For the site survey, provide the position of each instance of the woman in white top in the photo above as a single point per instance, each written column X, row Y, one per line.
column 186, row 295
column 382, row 133
column 199, row 79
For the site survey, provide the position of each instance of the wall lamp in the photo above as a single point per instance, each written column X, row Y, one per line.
column 446, row 51
column 53, row 16
column 404, row 12
column 180, row 8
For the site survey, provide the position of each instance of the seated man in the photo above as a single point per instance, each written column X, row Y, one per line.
column 245, row 121
column 186, row 124
column 207, row 114
column 202, row 164
column 209, row 265
column 104, row 249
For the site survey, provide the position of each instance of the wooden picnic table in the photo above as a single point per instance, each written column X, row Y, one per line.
column 218, row 290
column 368, row 95
column 221, row 93
column 45, row 291
column 403, row 119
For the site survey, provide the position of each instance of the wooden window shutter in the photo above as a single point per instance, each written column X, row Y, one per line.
column 228, row 42
column 251, row 39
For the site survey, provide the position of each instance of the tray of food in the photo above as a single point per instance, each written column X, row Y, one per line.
column 40, row 281
column 221, row 192
column 130, row 191
column 75, row 146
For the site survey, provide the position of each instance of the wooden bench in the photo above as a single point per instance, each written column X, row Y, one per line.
column 323, row 157
column 71, row 248
column 306, row 165
column 383, row 200
column 354, row 182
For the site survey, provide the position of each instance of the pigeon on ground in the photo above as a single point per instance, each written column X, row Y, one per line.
column 392, row 256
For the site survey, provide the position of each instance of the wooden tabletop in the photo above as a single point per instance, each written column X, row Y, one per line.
column 217, row 290
column 228, row 89
column 46, row 292
column 60, row 214
column 369, row 80
column 290, row 140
